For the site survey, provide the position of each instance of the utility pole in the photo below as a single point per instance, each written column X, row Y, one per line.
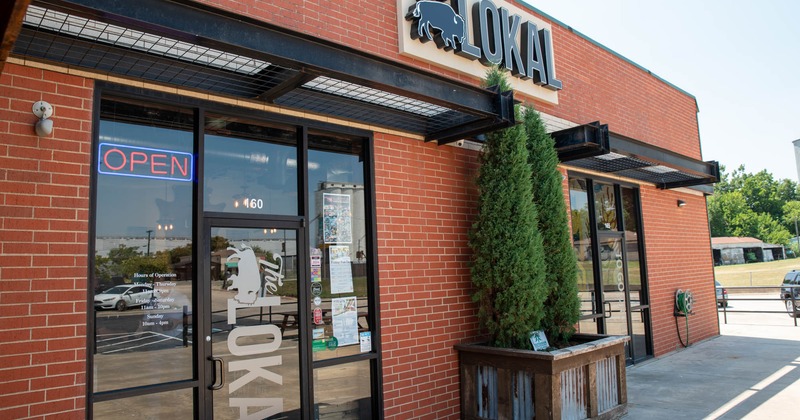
column 150, row 232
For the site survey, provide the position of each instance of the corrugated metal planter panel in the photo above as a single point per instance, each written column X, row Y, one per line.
column 523, row 395
column 607, row 390
column 573, row 393
column 579, row 382
column 487, row 392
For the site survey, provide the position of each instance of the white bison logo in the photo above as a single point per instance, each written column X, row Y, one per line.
column 249, row 282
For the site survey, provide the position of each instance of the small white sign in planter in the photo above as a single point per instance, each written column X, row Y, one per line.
column 539, row 340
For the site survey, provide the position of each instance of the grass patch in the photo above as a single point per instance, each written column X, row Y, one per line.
column 755, row 274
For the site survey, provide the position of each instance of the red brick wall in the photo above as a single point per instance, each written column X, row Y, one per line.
column 425, row 205
column 598, row 85
column 601, row 86
column 678, row 251
column 425, row 202
column 44, row 202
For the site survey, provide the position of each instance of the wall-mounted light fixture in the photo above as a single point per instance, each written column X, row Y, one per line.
column 43, row 111
column 681, row 203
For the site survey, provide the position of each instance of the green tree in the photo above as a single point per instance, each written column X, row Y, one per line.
column 773, row 232
column 125, row 261
column 112, row 266
column 761, row 226
column 158, row 263
column 562, row 306
column 745, row 204
column 791, row 216
column 716, row 217
column 176, row 253
column 507, row 262
column 787, row 191
column 722, row 208
column 761, row 193
column 218, row 243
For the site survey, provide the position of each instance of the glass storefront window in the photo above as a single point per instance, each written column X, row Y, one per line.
column 582, row 244
column 142, row 281
column 338, row 245
column 630, row 209
column 250, row 168
column 187, row 325
column 637, row 292
column 629, row 212
column 171, row 405
column 342, row 392
column 605, row 207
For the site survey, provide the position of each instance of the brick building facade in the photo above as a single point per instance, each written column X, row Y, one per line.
column 56, row 204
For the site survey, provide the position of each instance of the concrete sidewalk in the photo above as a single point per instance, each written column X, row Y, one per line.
column 751, row 371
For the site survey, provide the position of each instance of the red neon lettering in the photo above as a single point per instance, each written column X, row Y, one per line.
column 177, row 164
column 105, row 159
column 153, row 164
column 134, row 161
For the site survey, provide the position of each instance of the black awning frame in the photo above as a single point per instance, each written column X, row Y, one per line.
column 471, row 110
column 592, row 146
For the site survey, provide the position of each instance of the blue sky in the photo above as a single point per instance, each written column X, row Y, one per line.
column 740, row 59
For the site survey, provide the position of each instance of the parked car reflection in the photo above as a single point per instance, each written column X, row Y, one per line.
column 123, row 297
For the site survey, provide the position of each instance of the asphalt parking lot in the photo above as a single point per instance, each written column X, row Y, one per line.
column 749, row 372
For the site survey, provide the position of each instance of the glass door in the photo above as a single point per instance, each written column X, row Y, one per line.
column 606, row 235
column 254, row 332
column 614, row 278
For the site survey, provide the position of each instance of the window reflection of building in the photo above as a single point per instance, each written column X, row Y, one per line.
column 250, row 167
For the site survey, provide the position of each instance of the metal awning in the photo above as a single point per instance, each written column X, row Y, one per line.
column 593, row 147
column 197, row 47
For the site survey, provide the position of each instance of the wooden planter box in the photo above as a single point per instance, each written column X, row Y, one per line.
column 579, row 382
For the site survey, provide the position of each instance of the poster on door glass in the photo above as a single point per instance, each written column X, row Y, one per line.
column 345, row 320
column 341, row 270
column 336, row 219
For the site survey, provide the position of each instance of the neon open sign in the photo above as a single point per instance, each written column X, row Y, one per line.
column 143, row 162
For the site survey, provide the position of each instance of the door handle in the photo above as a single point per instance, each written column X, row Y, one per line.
column 214, row 385
column 607, row 312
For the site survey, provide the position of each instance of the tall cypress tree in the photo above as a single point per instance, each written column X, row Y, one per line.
column 507, row 266
column 562, row 306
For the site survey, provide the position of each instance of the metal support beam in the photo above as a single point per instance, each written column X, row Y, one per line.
column 286, row 86
column 584, row 146
column 657, row 155
column 582, row 141
column 504, row 109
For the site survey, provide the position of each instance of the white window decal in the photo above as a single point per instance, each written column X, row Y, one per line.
column 249, row 282
column 255, row 277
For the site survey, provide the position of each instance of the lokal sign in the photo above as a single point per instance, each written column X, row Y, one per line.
column 481, row 34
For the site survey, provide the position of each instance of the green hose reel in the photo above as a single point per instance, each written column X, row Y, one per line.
column 683, row 308
column 683, row 302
